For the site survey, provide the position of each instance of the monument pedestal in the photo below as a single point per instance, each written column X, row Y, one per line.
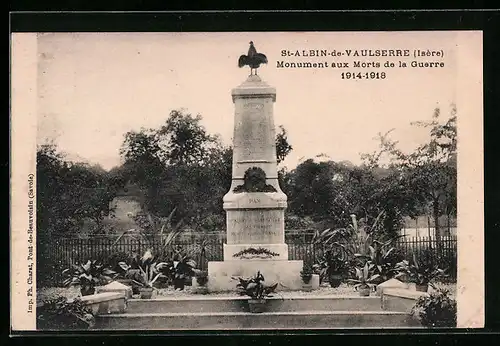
column 255, row 205
column 285, row 273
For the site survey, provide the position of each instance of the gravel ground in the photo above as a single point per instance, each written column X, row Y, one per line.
column 53, row 292
column 342, row 290
column 325, row 291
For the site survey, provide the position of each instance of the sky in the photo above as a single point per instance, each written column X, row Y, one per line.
column 94, row 87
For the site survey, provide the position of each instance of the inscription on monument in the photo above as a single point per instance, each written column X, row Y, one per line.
column 254, row 132
column 255, row 226
column 253, row 105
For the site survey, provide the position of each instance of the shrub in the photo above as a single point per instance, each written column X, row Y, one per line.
column 179, row 268
column 332, row 266
column 295, row 222
column 436, row 310
column 384, row 257
column 88, row 275
column 60, row 314
column 421, row 271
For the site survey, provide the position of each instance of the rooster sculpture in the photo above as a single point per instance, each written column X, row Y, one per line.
column 252, row 59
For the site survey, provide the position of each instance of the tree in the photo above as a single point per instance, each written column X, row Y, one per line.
column 432, row 169
column 185, row 140
column 180, row 165
column 92, row 193
column 69, row 194
column 52, row 215
column 316, row 189
column 429, row 173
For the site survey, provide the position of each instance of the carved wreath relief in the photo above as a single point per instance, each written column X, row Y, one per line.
column 254, row 180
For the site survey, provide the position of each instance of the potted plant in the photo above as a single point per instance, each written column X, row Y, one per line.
column 201, row 277
column 88, row 276
column 179, row 269
column 421, row 272
column 365, row 279
column 383, row 256
column 257, row 291
column 130, row 277
column 339, row 245
column 129, row 274
column 306, row 274
column 333, row 267
column 149, row 272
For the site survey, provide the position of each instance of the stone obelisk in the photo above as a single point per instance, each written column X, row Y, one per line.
column 255, row 203
column 255, row 219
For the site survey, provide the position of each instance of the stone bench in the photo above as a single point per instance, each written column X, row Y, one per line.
column 115, row 286
column 105, row 303
column 400, row 299
column 391, row 284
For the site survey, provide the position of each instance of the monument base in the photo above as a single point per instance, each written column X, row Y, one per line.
column 231, row 249
column 286, row 273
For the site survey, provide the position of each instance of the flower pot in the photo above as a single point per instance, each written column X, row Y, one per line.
column 422, row 288
column 179, row 283
column 257, row 305
column 335, row 280
column 201, row 281
column 135, row 289
column 364, row 291
column 306, row 282
column 307, row 287
column 146, row 292
column 306, row 278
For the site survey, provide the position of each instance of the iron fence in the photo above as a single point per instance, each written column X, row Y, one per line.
column 65, row 251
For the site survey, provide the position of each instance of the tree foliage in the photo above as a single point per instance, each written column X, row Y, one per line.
column 180, row 165
column 68, row 194
column 331, row 192
column 427, row 175
column 390, row 184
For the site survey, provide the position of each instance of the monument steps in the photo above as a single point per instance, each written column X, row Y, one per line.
column 220, row 313
column 249, row 321
column 238, row 304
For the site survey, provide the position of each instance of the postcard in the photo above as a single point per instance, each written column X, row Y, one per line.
column 247, row 180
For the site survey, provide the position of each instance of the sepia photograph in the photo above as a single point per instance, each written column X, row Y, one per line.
column 247, row 181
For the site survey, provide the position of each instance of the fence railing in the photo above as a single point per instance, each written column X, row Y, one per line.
column 65, row 251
